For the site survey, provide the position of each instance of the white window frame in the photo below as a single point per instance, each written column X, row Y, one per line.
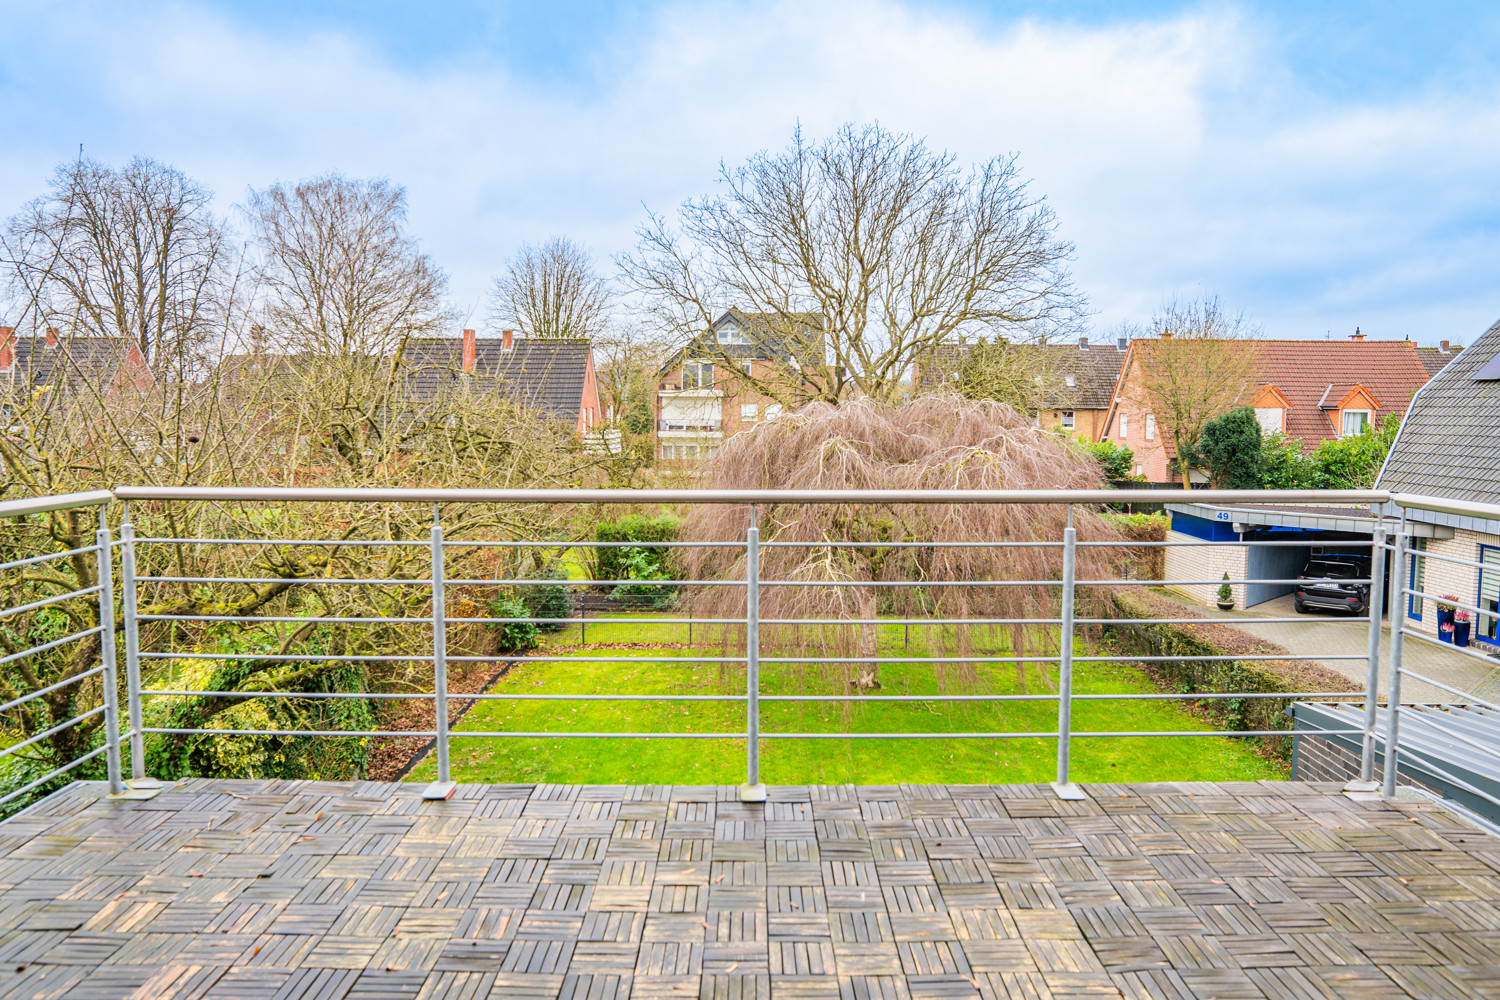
column 749, row 412
column 773, row 410
column 1344, row 416
column 1124, row 426
column 1066, row 419
column 697, row 368
column 1150, row 427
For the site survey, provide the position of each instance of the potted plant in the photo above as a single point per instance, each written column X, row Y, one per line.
column 1445, row 614
column 1226, row 595
column 1460, row 627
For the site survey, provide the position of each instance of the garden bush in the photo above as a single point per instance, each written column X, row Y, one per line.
column 513, row 637
column 546, row 600
column 630, row 562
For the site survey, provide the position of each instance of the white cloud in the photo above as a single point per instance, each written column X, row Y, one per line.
column 1178, row 153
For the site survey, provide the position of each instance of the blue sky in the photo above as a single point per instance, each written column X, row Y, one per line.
column 1320, row 167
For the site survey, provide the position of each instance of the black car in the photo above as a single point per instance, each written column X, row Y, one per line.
column 1322, row 584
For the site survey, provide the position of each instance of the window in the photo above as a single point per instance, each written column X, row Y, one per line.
column 1070, row 381
column 697, row 375
column 1489, row 593
column 1067, row 420
column 733, row 334
column 1150, row 427
column 1271, row 419
column 773, row 410
column 1124, row 426
column 750, row 412
column 749, row 367
column 1355, row 422
column 1417, row 577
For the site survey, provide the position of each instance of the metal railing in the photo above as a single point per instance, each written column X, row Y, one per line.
column 103, row 632
column 1403, row 561
column 752, row 657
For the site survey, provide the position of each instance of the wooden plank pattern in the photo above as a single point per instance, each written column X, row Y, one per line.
column 342, row 890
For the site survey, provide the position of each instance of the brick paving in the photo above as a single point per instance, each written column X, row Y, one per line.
column 282, row 890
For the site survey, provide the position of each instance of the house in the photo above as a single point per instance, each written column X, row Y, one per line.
column 70, row 363
column 1310, row 390
column 1449, row 447
column 1435, row 359
column 554, row 377
column 703, row 393
column 1076, row 380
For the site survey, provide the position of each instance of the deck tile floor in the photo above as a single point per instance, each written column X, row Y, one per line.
column 318, row 890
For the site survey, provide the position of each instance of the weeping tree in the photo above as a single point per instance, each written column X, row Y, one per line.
column 844, row 555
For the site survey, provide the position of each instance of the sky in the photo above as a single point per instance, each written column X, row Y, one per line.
column 1318, row 166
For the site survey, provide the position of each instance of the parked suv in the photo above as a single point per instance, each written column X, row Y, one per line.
column 1324, row 585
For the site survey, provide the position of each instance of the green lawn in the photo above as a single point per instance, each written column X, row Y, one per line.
column 798, row 761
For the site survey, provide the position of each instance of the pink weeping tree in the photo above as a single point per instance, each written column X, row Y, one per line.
column 931, row 442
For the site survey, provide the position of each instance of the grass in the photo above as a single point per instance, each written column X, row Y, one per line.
column 799, row 761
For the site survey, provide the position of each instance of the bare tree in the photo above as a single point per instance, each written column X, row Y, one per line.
column 857, row 256
column 341, row 276
column 133, row 252
column 551, row 289
column 344, row 291
column 1198, row 363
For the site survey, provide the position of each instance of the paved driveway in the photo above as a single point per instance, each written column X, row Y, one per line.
column 1329, row 635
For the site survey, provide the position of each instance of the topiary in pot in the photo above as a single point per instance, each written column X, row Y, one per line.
column 1226, row 595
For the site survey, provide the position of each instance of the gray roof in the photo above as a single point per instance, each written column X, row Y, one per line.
column 543, row 374
column 1435, row 359
column 1449, row 445
column 71, row 362
column 1094, row 371
column 770, row 340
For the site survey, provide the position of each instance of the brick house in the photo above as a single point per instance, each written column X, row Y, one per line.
column 1449, row 447
column 703, row 395
column 65, row 363
column 1077, row 380
column 553, row 377
column 1309, row 390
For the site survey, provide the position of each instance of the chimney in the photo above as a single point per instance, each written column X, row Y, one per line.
column 1083, row 343
column 51, row 336
column 1356, row 335
column 1443, row 345
column 507, row 339
column 7, row 348
column 469, row 352
column 1166, row 335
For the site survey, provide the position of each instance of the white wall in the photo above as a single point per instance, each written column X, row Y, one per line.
column 1206, row 561
column 1450, row 578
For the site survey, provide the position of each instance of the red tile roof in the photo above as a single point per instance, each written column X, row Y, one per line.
column 1303, row 370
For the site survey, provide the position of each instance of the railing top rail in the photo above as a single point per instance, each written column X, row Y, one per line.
column 935, row 496
column 62, row 501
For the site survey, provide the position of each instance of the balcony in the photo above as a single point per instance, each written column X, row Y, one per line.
column 749, row 885
column 698, row 427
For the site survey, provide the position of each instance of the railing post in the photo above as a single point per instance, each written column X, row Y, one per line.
column 109, row 679
column 1064, row 785
column 752, row 790
column 1393, row 685
column 128, row 598
column 1366, row 781
column 444, row 787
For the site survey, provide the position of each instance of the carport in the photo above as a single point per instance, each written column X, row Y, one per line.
column 1326, row 531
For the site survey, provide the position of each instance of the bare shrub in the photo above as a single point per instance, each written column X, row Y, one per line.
column 932, row 442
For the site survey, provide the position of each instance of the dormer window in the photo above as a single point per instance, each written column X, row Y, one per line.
column 1272, row 419
column 1070, row 381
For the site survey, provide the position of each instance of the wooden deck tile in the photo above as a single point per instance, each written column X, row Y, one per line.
column 325, row 891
